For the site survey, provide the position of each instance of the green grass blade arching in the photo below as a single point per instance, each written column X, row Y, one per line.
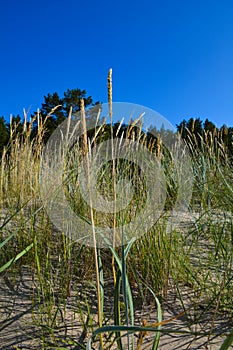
column 6, row 240
column 5, row 266
column 126, row 285
column 227, row 342
column 159, row 310
column 130, row 298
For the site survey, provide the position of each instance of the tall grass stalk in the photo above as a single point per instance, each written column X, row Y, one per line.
column 96, row 250
column 113, row 169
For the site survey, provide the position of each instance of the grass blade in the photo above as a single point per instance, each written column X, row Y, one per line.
column 117, row 316
column 6, row 240
column 227, row 342
column 5, row 266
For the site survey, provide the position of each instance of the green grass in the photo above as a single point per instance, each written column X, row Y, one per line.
column 197, row 257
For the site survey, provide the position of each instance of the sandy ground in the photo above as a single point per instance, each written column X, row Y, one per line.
column 20, row 323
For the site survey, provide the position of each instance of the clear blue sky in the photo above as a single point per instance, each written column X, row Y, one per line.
column 173, row 56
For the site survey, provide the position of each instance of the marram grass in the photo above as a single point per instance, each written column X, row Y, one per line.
column 198, row 256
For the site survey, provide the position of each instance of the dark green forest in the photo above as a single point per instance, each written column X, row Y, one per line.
column 58, row 109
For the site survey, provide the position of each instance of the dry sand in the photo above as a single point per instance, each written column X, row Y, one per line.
column 20, row 328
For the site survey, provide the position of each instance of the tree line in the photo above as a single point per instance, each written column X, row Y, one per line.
column 202, row 134
column 190, row 130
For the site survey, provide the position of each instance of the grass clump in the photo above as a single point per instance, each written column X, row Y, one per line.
column 103, row 289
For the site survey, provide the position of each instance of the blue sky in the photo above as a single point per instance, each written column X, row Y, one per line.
column 175, row 57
